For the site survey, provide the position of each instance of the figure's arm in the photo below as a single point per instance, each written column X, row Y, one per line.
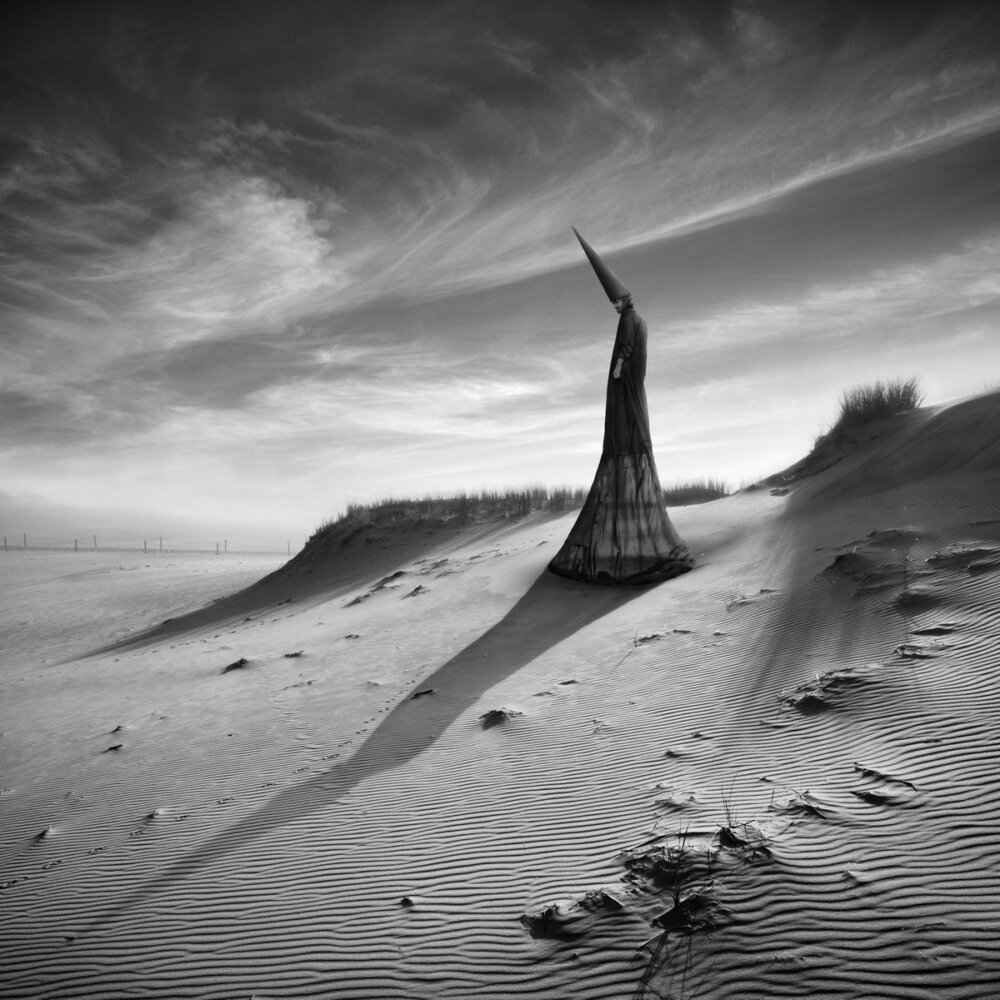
column 625, row 346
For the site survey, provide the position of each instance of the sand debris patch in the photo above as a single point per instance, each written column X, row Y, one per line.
column 870, row 574
column 970, row 556
column 394, row 581
column 882, row 788
column 918, row 650
column 865, row 562
column 944, row 628
column 671, row 884
column 820, row 694
column 433, row 566
column 742, row 599
column 498, row 717
column 554, row 921
column 802, row 804
column 915, row 598
column 889, row 538
column 675, row 801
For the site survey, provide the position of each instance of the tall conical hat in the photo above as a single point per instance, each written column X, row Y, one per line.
column 613, row 285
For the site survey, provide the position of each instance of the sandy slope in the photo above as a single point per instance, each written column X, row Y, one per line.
column 342, row 824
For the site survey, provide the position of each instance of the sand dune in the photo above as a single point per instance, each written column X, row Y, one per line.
column 773, row 776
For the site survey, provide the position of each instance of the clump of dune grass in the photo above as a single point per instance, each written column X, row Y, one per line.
column 458, row 508
column 864, row 404
column 694, row 491
column 494, row 505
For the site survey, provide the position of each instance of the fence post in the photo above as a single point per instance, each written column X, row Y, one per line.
column 144, row 546
column 24, row 538
column 75, row 546
column 225, row 544
column 216, row 548
column 161, row 543
column 288, row 545
column 95, row 543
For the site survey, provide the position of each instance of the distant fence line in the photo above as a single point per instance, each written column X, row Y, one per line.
column 94, row 543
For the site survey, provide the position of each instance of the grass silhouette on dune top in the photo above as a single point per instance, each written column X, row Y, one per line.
column 864, row 404
column 494, row 505
column 860, row 407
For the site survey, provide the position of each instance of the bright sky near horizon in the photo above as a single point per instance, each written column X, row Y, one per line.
column 259, row 260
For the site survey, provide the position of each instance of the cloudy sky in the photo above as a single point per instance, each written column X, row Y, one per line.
column 258, row 260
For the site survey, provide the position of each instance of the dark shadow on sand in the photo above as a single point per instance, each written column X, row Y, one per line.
column 549, row 612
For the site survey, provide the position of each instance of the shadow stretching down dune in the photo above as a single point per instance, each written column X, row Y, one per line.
column 550, row 611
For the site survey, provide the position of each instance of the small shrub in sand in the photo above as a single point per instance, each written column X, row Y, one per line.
column 498, row 717
column 864, row 404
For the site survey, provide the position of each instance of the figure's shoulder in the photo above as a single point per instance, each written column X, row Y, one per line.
column 637, row 321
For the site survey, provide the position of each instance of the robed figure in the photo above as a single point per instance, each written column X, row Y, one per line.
column 623, row 533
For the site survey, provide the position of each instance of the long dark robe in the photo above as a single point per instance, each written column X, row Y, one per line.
column 623, row 533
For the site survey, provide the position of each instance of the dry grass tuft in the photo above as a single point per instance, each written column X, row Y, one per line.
column 695, row 491
column 494, row 505
column 864, row 404
column 460, row 508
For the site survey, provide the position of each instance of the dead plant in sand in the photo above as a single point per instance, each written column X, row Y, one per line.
column 689, row 876
column 683, row 874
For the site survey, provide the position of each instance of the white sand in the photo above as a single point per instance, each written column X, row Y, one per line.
column 305, row 826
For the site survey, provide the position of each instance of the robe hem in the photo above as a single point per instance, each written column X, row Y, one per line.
column 659, row 573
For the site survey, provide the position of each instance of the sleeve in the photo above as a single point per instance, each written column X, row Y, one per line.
column 626, row 342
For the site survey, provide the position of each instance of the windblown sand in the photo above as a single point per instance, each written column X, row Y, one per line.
column 433, row 769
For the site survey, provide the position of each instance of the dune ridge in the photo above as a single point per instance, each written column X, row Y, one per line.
column 341, row 823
